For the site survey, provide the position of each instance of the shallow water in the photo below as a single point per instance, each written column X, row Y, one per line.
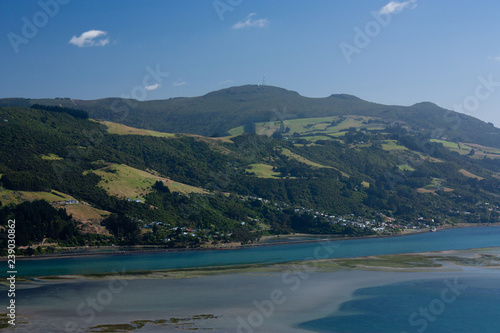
column 450, row 239
column 345, row 301
column 465, row 305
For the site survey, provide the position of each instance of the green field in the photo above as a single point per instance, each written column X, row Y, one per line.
column 124, row 181
column 16, row 197
column 313, row 129
column 447, row 144
column 304, row 160
column 392, row 145
column 460, row 148
column 405, row 167
column 317, row 137
column 483, row 151
column 301, row 159
column 51, row 157
column 236, row 131
column 120, row 129
column 83, row 212
column 465, row 148
column 487, row 150
column 262, row 170
column 184, row 188
column 469, row 174
column 435, row 183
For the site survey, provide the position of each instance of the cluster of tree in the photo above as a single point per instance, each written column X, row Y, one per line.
column 123, row 228
column 25, row 181
column 72, row 112
column 38, row 220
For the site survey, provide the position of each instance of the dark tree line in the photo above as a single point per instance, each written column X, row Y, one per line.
column 38, row 220
column 72, row 112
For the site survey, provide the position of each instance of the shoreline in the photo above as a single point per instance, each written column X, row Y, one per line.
column 411, row 262
column 216, row 301
column 136, row 249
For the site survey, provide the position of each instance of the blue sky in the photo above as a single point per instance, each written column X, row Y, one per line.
column 443, row 51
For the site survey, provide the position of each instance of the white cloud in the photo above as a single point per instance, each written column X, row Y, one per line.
column 497, row 58
column 178, row 84
column 90, row 38
column 248, row 22
column 152, row 87
column 225, row 82
column 395, row 7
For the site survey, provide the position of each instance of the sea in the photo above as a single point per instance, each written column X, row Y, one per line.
column 345, row 301
column 464, row 305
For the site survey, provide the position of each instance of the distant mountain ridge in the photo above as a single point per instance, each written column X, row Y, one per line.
column 215, row 113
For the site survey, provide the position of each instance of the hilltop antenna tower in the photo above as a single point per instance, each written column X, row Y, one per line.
column 264, row 79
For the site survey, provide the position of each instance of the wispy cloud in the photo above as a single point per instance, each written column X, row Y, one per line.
column 90, row 38
column 225, row 82
column 395, row 7
column 497, row 58
column 249, row 22
column 152, row 87
column 178, row 84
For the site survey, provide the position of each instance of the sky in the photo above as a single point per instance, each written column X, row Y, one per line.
column 390, row 52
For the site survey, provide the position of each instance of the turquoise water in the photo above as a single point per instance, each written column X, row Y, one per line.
column 419, row 306
column 450, row 239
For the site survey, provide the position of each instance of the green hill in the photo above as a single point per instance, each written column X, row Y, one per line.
column 216, row 113
column 337, row 165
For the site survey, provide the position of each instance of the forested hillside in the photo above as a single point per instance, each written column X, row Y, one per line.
column 216, row 113
column 356, row 174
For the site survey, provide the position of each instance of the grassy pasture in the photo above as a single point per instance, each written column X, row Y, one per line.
column 465, row 148
column 392, row 145
column 16, row 197
column 124, row 181
column 120, row 129
column 262, row 170
column 301, row 159
column 313, row 129
column 469, row 174
column 405, row 167
column 51, row 157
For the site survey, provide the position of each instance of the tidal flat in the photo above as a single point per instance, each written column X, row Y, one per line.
column 285, row 297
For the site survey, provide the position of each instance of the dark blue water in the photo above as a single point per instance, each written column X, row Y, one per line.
column 451, row 239
column 470, row 305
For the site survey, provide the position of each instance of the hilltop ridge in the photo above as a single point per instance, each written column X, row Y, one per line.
column 217, row 112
